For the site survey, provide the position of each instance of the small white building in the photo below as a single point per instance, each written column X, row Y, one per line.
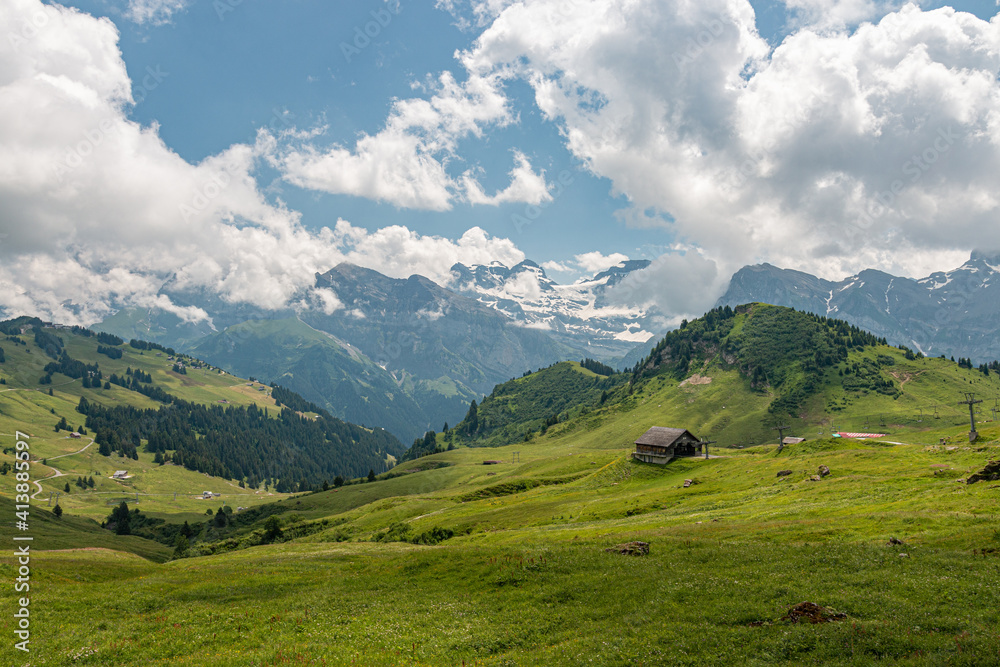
column 120, row 474
column 206, row 495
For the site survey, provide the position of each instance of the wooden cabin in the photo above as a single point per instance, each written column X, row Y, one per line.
column 660, row 445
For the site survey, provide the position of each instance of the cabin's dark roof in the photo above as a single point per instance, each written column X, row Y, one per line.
column 659, row 436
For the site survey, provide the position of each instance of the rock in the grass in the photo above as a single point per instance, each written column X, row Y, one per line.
column 811, row 612
column 990, row 473
column 784, row 473
column 630, row 549
column 815, row 478
column 896, row 540
column 823, row 471
column 687, row 483
column 904, row 555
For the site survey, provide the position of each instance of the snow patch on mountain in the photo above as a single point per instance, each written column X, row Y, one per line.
column 577, row 312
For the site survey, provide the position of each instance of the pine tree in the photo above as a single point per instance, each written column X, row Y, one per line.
column 58, row 511
column 272, row 529
column 66, row 488
column 120, row 516
column 180, row 546
column 472, row 419
column 371, row 475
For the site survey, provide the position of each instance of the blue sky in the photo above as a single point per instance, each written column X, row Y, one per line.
column 230, row 76
column 703, row 136
column 234, row 67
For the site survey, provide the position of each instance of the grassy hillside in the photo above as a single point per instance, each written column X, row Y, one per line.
column 516, row 410
column 169, row 492
column 734, row 375
column 525, row 578
column 444, row 560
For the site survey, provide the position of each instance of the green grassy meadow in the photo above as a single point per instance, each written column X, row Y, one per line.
column 525, row 579
column 167, row 491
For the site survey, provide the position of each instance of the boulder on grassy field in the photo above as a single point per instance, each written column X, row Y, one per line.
column 990, row 473
column 815, row 478
column 784, row 473
column 630, row 549
column 823, row 471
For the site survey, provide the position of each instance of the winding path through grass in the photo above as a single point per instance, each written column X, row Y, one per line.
column 55, row 472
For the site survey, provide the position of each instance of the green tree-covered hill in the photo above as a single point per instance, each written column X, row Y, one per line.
column 140, row 397
column 734, row 374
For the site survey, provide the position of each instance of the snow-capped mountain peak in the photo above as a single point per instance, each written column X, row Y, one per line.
column 577, row 312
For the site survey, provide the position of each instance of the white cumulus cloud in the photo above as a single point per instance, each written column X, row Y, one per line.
column 595, row 262
column 155, row 12
column 99, row 213
column 525, row 186
column 404, row 163
column 839, row 149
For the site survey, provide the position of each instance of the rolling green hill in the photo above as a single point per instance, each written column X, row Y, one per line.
column 517, row 409
column 444, row 560
column 178, row 426
column 734, row 374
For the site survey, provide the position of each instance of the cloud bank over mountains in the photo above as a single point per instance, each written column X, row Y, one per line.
column 838, row 149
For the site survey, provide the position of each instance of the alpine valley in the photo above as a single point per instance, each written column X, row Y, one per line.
column 409, row 354
column 184, row 515
column 406, row 354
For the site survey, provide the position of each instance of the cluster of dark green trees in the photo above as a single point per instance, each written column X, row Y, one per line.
column 243, row 443
column 597, row 367
column 102, row 337
column 218, row 525
column 63, row 425
column 48, row 342
column 71, row 367
column 85, row 482
column 866, row 375
column 146, row 345
column 985, row 369
column 289, row 398
column 780, row 348
column 111, row 352
column 134, row 380
column 517, row 409
column 428, row 443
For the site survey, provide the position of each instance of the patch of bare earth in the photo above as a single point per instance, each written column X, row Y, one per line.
column 696, row 379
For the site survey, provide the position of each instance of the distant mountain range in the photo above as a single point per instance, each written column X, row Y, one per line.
column 954, row 313
column 406, row 354
column 579, row 315
column 409, row 354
